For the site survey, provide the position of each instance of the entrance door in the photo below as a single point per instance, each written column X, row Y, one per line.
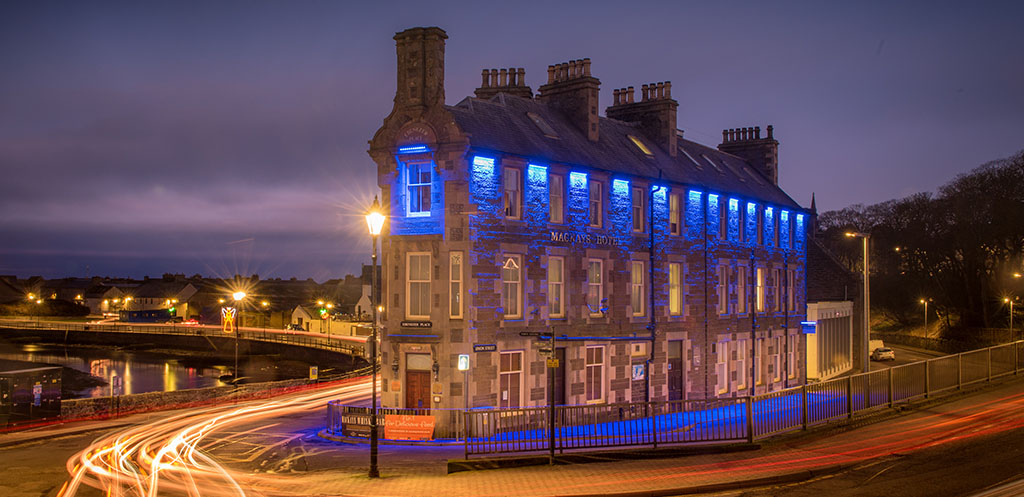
column 560, row 377
column 676, row 371
column 417, row 381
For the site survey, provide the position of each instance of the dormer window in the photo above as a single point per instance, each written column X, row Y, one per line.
column 543, row 125
column 640, row 145
column 418, row 193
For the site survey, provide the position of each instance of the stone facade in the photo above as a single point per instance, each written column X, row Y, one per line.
column 499, row 204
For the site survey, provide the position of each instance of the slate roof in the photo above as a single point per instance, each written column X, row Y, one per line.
column 502, row 124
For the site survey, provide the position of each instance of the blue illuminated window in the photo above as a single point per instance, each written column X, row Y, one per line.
column 418, row 179
column 638, row 209
column 556, row 199
column 595, row 203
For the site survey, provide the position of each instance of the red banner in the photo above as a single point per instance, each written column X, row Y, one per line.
column 405, row 427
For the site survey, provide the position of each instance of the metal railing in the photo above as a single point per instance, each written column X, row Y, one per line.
column 496, row 431
column 274, row 336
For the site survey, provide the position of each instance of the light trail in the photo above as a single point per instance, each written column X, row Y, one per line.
column 165, row 457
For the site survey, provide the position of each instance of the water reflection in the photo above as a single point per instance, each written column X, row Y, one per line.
column 140, row 372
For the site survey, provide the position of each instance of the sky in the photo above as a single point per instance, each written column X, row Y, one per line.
column 222, row 138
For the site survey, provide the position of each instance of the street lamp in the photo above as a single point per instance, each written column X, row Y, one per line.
column 1008, row 300
column 374, row 222
column 266, row 314
column 867, row 301
column 925, row 302
column 238, row 296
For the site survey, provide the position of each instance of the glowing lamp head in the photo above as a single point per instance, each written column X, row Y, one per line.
column 1016, row 275
column 374, row 218
column 319, row 302
column 1006, row 300
column 264, row 303
column 31, row 296
column 330, row 306
column 922, row 301
column 238, row 296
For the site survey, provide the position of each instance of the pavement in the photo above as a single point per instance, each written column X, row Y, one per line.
column 338, row 469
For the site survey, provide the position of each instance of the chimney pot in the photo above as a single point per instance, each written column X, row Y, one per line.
column 725, row 136
column 586, row 67
column 503, row 74
column 494, row 77
column 484, row 83
column 643, row 93
column 615, row 97
column 521, row 76
column 629, row 95
column 668, row 89
column 757, row 132
column 551, row 74
column 769, row 131
column 661, row 91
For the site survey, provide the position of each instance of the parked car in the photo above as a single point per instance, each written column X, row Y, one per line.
column 294, row 327
column 883, row 354
column 190, row 322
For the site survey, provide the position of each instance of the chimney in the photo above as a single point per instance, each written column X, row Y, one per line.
column 420, row 69
column 655, row 113
column 761, row 153
column 572, row 90
column 511, row 81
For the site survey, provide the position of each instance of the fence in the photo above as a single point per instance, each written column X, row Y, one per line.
column 346, row 346
column 496, row 431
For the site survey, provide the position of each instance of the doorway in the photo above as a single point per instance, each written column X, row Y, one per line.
column 676, row 371
column 417, row 381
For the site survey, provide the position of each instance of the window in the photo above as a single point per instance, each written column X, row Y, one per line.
column 455, row 284
column 418, row 285
column 776, row 359
column 775, row 231
column 595, row 286
column 595, row 374
column 741, row 364
column 721, row 366
column 777, row 289
column 723, row 289
column 741, row 224
column 759, row 286
column 638, row 209
column 759, row 361
column 595, row 203
column 513, row 193
column 674, row 226
column 640, row 145
column 511, row 286
column 511, row 378
column 556, row 199
column 741, row 290
column 760, row 230
column 793, row 340
column 637, row 288
column 675, row 294
column 791, row 289
column 556, row 287
column 418, row 181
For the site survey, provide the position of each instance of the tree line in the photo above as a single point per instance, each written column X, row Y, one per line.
column 959, row 248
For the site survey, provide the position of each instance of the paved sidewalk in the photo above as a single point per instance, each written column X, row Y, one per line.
column 788, row 458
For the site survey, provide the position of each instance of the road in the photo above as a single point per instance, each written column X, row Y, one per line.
column 905, row 355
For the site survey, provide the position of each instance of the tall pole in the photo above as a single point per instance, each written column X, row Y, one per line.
column 374, row 473
column 867, row 307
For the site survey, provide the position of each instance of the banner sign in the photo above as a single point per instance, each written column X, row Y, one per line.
column 406, row 427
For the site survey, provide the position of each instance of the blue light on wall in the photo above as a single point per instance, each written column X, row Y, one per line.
column 424, row 223
column 734, row 219
column 620, row 212
column 769, row 226
column 799, row 235
column 578, row 180
column 536, row 205
column 694, row 214
column 750, row 230
column 620, row 185
column 413, row 149
column 714, row 220
column 485, row 186
column 784, row 229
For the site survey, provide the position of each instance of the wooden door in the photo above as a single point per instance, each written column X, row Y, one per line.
column 676, row 371
column 417, row 389
column 560, row 377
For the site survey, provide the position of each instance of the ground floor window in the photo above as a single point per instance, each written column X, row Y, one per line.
column 511, row 378
column 595, row 374
column 721, row 366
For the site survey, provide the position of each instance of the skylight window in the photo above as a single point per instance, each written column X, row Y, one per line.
column 639, row 144
column 753, row 175
column 719, row 169
column 688, row 156
column 543, row 125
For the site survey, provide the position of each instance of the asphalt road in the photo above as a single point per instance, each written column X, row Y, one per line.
column 904, row 355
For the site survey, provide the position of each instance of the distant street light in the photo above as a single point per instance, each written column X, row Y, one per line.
column 925, row 302
column 374, row 222
column 1008, row 300
column 266, row 314
column 867, row 301
column 238, row 296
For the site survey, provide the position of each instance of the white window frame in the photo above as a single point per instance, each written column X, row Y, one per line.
column 556, row 198
column 777, row 359
column 512, row 375
column 791, row 289
column 636, row 293
column 595, row 203
column 414, row 186
column 675, row 226
column 741, row 364
column 512, row 265
column 422, row 284
column 742, row 304
column 556, row 287
column 512, row 182
column 596, row 287
column 593, row 374
column 455, row 264
column 675, row 287
column 722, row 367
column 791, row 355
column 759, row 292
column 637, row 194
column 723, row 289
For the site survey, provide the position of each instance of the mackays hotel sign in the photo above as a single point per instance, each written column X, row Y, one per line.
column 576, row 238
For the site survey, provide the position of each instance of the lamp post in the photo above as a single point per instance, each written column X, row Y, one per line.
column 1008, row 300
column 867, row 301
column 925, row 302
column 374, row 221
column 238, row 296
column 266, row 314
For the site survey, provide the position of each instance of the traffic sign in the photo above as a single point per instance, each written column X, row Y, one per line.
column 552, row 362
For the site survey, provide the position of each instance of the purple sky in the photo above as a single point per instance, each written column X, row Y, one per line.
column 220, row 137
